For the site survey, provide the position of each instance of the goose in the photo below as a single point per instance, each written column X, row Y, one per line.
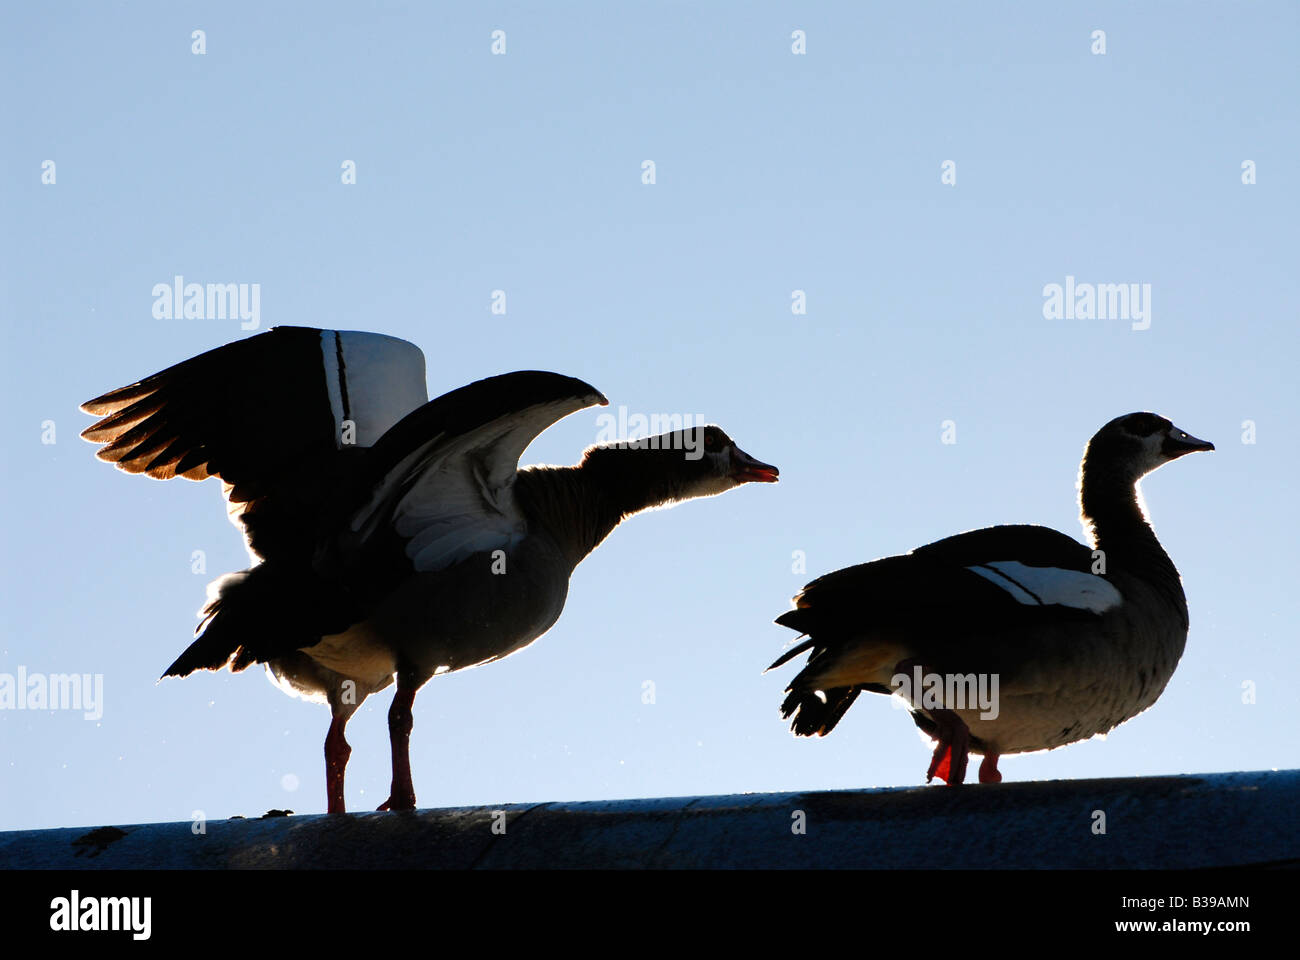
column 1008, row 639
column 391, row 538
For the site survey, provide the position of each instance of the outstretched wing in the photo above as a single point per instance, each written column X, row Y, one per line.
column 272, row 416
column 441, row 482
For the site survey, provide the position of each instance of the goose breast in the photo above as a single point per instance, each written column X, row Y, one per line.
column 486, row 607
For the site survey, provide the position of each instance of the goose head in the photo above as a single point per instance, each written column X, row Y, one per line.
column 722, row 465
column 681, row 464
column 1131, row 446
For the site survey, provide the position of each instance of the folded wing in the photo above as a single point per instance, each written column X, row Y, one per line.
column 997, row 586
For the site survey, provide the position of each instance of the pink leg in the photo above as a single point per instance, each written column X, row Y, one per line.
column 953, row 750
column 989, row 769
column 400, row 722
column 337, row 752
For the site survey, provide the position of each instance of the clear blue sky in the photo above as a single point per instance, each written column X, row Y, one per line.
column 774, row 173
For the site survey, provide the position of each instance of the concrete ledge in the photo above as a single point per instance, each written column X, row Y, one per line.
column 1213, row 820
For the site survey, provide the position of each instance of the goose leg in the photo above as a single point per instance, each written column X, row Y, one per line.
column 989, row 772
column 953, row 749
column 400, row 721
column 337, row 752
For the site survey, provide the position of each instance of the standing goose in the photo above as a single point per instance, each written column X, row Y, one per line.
column 390, row 537
column 1070, row 640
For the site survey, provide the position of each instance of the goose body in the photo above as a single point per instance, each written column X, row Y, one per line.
column 1070, row 639
column 392, row 539
column 441, row 622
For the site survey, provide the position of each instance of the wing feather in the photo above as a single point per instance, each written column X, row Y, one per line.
column 442, row 480
column 271, row 416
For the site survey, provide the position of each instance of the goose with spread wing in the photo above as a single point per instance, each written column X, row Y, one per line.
column 1008, row 639
column 391, row 538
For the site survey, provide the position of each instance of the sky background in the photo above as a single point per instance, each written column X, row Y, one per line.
column 775, row 172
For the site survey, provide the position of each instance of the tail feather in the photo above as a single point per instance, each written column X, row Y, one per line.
column 792, row 653
column 799, row 619
column 814, row 713
column 258, row 615
column 845, row 658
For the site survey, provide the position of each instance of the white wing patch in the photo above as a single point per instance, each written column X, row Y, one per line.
column 452, row 513
column 382, row 381
column 459, row 491
column 1045, row 586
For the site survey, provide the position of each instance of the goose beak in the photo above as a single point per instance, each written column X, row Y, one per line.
column 1178, row 442
column 745, row 469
